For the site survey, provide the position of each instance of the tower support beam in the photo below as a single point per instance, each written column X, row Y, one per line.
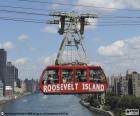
column 72, row 27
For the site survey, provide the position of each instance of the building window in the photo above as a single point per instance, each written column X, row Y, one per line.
column 97, row 75
column 51, row 76
column 67, row 75
column 81, row 75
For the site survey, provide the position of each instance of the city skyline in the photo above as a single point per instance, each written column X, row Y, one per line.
column 84, row 53
column 10, row 83
column 126, row 85
column 31, row 46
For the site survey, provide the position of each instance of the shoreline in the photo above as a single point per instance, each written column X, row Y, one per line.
column 91, row 108
column 4, row 101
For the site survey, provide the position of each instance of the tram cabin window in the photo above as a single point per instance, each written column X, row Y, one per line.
column 51, row 76
column 81, row 75
column 67, row 75
column 97, row 76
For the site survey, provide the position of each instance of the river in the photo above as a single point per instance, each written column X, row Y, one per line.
column 55, row 105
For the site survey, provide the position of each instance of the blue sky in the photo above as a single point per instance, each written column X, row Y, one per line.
column 32, row 46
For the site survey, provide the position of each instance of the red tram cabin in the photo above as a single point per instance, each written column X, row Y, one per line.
column 73, row 79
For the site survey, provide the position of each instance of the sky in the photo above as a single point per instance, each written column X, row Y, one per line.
column 33, row 46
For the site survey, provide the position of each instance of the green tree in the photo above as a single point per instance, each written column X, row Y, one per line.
column 112, row 101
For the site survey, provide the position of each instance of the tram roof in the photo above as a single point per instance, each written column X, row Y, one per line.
column 73, row 66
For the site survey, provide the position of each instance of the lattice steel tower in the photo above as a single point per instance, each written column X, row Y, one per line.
column 71, row 25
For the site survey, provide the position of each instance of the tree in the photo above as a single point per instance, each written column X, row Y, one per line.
column 112, row 101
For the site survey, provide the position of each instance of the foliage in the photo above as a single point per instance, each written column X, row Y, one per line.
column 93, row 101
column 118, row 104
column 107, row 108
column 112, row 101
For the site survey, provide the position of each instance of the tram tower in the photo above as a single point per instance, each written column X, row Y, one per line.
column 71, row 26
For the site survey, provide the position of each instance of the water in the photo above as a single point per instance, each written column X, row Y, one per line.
column 38, row 103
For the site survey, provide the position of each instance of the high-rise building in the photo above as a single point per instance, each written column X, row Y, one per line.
column 130, row 86
column 11, row 75
column 134, row 84
column 8, row 74
column 11, row 80
column 123, row 83
column 16, row 76
column 30, row 85
column 115, row 84
column 126, row 85
column 1, row 89
column 119, row 85
column 18, row 83
column 3, row 58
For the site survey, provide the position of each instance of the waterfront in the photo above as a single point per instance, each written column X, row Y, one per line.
column 39, row 103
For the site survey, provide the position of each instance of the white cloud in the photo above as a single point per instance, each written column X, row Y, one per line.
column 7, row 45
column 21, row 61
column 23, row 37
column 115, row 49
column 127, row 47
column 50, row 29
column 128, row 51
column 109, row 4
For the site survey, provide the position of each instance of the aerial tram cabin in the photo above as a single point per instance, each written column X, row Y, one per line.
column 73, row 79
column 72, row 76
